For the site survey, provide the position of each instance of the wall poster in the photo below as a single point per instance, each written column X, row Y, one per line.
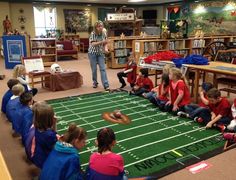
column 77, row 20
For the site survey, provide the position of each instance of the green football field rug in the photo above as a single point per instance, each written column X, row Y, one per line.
column 153, row 144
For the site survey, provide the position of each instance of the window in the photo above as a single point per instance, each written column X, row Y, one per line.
column 44, row 19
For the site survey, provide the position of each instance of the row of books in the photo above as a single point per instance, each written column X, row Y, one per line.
column 121, row 52
column 152, row 46
column 120, row 44
column 42, row 52
column 121, row 60
column 198, row 43
column 36, row 44
column 175, row 45
column 197, row 51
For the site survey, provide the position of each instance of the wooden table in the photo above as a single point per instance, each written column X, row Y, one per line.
column 212, row 68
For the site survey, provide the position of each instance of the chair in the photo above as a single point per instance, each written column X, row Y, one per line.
column 84, row 44
column 35, row 69
column 227, row 56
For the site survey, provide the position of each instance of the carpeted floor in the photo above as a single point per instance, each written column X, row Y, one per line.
column 223, row 165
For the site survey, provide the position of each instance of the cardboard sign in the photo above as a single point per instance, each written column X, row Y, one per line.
column 196, row 168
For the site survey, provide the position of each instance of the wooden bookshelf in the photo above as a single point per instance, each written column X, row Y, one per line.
column 44, row 47
column 75, row 38
column 119, row 49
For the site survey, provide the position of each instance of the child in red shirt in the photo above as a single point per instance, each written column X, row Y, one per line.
column 195, row 111
column 105, row 164
column 220, row 109
column 143, row 83
column 129, row 72
column 160, row 98
column 179, row 92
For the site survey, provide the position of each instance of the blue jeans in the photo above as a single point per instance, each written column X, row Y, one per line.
column 94, row 60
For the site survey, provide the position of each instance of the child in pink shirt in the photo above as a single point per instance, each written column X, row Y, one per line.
column 105, row 163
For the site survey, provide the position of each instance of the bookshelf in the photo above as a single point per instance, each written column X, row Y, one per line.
column 75, row 38
column 45, row 48
column 183, row 47
column 119, row 49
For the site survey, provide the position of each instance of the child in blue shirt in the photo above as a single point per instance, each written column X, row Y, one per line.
column 45, row 135
column 13, row 104
column 6, row 97
column 26, row 114
column 64, row 162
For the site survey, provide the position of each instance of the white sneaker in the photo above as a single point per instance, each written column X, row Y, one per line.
column 182, row 114
column 232, row 125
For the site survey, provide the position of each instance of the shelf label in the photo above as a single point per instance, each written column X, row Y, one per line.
column 120, row 16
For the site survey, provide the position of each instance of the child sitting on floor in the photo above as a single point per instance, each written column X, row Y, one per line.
column 45, row 133
column 19, row 72
column 64, row 161
column 129, row 72
column 6, row 97
column 220, row 109
column 179, row 92
column 194, row 111
column 105, row 164
column 13, row 104
column 161, row 97
column 143, row 83
column 25, row 118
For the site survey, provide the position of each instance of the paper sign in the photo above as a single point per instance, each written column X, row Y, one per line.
column 34, row 64
column 196, row 168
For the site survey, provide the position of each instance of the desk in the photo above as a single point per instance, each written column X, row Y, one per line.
column 213, row 67
column 65, row 80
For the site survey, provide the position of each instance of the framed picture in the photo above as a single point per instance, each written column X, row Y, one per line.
column 14, row 48
column 77, row 20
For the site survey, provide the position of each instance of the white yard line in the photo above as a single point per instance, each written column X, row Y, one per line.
column 148, row 144
column 93, row 102
column 113, row 124
column 165, row 151
column 91, row 110
column 81, row 118
column 140, row 135
column 171, row 150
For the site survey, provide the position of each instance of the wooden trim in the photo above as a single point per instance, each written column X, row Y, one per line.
column 4, row 172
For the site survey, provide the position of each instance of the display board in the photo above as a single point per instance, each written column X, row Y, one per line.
column 14, row 48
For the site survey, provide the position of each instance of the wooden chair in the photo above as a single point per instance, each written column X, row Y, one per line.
column 227, row 56
column 35, row 69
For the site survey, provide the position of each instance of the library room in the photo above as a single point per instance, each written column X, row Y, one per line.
column 117, row 90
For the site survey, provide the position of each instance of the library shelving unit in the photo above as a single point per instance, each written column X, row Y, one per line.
column 75, row 38
column 119, row 49
column 184, row 47
column 45, row 48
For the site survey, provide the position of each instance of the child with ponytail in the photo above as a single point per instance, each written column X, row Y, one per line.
column 64, row 161
column 179, row 92
column 104, row 164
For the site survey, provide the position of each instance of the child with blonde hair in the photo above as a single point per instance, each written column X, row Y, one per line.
column 179, row 92
column 64, row 161
column 13, row 104
column 19, row 72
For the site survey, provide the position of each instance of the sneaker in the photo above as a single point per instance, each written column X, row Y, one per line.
column 107, row 89
column 122, row 86
column 95, row 85
column 221, row 127
column 182, row 114
column 198, row 119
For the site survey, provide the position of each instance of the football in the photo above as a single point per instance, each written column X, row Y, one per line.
column 55, row 68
